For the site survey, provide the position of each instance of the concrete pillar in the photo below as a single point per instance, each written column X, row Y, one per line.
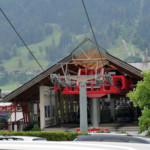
column 52, row 98
column 95, row 112
column 56, row 108
column 15, row 127
column 42, row 107
column 61, row 108
column 108, row 97
column 83, row 108
column 112, row 107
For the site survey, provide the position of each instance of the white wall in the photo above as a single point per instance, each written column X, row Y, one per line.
column 142, row 66
column 47, row 107
column 19, row 116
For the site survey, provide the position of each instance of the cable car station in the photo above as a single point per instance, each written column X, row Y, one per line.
column 88, row 87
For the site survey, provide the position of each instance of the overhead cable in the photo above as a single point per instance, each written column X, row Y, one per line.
column 21, row 38
column 92, row 30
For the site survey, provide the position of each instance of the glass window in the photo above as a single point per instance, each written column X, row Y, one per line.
column 53, row 111
column 47, row 111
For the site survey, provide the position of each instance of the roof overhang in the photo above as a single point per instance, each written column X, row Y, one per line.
column 87, row 55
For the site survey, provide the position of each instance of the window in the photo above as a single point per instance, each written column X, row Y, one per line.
column 48, row 107
column 53, row 111
column 47, row 111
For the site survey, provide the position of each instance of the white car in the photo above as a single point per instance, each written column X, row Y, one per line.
column 18, row 145
column 21, row 138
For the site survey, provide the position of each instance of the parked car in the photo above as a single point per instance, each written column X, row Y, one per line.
column 112, row 138
column 21, row 138
column 19, row 145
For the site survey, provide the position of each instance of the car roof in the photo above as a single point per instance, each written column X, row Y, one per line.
column 9, row 138
column 22, row 138
column 12, row 145
column 30, row 138
column 112, row 138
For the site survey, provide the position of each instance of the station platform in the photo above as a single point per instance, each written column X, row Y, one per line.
column 124, row 127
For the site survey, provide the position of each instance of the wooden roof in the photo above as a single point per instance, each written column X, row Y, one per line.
column 32, row 87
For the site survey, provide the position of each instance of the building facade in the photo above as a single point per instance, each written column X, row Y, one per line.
column 58, row 95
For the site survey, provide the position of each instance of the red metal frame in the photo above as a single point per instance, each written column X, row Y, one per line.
column 120, row 84
column 17, row 107
column 10, row 109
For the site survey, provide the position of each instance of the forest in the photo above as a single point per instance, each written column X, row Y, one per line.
column 53, row 28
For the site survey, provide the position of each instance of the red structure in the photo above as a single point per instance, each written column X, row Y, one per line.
column 98, row 83
column 10, row 109
column 21, row 107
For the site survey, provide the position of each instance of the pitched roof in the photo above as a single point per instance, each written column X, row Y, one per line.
column 84, row 46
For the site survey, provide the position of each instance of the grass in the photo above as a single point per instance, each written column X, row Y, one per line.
column 23, row 53
column 120, row 52
column 38, row 50
column 9, row 87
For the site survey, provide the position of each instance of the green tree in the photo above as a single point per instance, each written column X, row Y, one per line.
column 2, row 69
column 20, row 64
column 40, row 48
column 4, row 79
column 29, row 56
column 140, row 96
column 14, row 50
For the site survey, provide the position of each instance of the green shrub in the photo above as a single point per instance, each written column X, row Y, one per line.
column 49, row 135
column 36, row 128
column 122, row 132
column 148, row 133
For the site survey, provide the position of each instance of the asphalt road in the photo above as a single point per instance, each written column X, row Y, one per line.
column 124, row 127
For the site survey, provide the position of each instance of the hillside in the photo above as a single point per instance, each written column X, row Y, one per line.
column 39, row 49
column 52, row 29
